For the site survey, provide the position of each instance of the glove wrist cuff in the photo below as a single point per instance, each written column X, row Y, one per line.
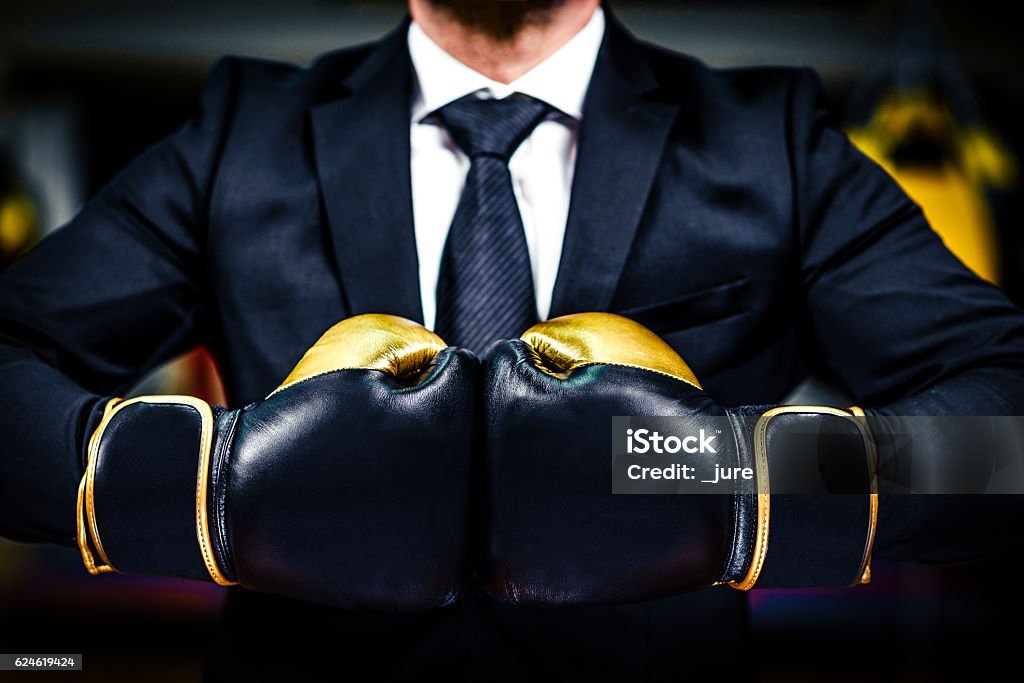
column 143, row 500
column 817, row 501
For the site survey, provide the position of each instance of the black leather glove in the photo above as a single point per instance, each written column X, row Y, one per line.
column 347, row 486
column 558, row 535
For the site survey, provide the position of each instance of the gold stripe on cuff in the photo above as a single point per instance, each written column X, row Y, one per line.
column 761, row 543
column 88, row 528
column 202, row 484
column 764, row 500
column 84, row 506
column 764, row 489
column 869, row 546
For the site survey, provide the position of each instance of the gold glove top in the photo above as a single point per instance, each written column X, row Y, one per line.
column 574, row 341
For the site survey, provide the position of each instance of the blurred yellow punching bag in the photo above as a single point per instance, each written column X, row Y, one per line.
column 19, row 219
column 944, row 167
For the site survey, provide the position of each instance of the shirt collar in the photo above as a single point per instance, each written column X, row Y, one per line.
column 561, row 80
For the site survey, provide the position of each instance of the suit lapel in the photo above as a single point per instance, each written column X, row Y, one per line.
column 622, row 135
column 361, row 142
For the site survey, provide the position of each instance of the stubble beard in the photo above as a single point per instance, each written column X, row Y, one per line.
column 500, row 20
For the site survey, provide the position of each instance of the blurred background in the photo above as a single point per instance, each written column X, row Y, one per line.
column 932, row 90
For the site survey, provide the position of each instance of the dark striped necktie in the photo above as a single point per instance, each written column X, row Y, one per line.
column 485, row 287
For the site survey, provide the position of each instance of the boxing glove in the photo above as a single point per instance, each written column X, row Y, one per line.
column 346, row 486
column 557, row 534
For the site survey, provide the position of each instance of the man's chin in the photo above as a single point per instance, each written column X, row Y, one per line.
column 500, row 20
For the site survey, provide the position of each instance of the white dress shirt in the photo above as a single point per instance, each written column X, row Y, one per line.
column 541, row 168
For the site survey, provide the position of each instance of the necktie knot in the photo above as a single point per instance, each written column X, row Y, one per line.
column 492, row 127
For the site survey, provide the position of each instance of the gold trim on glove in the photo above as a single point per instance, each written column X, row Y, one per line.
column 574, row 341
column 88, row 529
column 86, row 522
column 764, row 488
column 869, row 546
column 373, row 341
column 202, row 485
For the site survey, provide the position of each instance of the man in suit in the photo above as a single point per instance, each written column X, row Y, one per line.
column 717, row 208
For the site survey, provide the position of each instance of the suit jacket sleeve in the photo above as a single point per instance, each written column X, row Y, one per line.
column 902, row 323
column 95, row 305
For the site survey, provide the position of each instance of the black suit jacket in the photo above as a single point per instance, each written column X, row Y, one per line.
column 716, row 207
